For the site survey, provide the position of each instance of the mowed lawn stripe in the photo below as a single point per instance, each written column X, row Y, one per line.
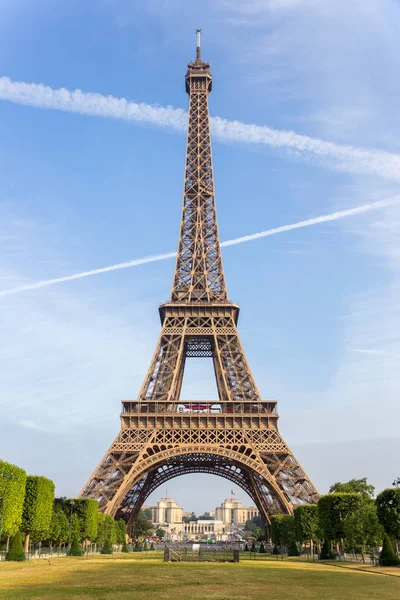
column 113, row 578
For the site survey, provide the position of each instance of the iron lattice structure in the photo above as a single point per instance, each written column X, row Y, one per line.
column 163, row 436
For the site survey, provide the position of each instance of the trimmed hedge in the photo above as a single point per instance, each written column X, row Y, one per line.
column 13, row 492
column 388, row 557
column 38, row 507
column 16, row 551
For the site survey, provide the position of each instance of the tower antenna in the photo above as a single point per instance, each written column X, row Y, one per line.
column 198, row 47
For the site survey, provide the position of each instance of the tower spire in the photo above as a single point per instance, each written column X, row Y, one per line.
column 198, row 47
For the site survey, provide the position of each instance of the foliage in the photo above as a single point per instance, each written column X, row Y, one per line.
column 105, row 529
column 275, row 550
column 388, row 557
column 143, row 527
column 255, row 528
column 354, row 486
column 293, row 549
column 59, row 526
column 152, row 546
column 147, row 513
column 388, row 510
column 107, row 547
column 13, row 492
column 261, row 548
column 86, row 511
column 334, row 510
column 160, row 532
column 191, row 518
column 74, row 527
column 326, row 552
column 75, row 549
column 362, row 528
column 38, row 507
column 145, row 547
column 282, row 529
column 253, row 547
column 306, row 522
column 137, row 547
column 16, row 551
column 206, row 517
column 120, row 531
column 246, row 548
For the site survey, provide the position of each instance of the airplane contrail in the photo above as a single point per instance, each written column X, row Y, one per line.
column 343, row 157
column 240, row 240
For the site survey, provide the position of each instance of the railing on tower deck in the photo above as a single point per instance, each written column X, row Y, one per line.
column 200, row 407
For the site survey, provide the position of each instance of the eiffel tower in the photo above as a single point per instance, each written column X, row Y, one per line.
column 163, row 436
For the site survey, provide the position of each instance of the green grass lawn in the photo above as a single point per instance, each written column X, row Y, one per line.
column 120, row 577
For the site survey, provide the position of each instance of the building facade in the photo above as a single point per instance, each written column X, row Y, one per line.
column 232, row 512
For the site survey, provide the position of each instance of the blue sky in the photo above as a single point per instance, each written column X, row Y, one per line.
column 320, row 305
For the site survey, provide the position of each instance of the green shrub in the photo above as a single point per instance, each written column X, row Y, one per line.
column 388, row 557
column 16, row 551
column 107, row 548
column 124, row 547
column 137, row 547
column 293, row 549
column 253, row 547
column 326, row 552
column 246, row 548
column 275, row 550
column 152, row 546
column 145, row 547
column 75, row 549
column 262, row 548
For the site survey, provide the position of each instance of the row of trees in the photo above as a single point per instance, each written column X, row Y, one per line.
column 348, row 518
column 29, row 511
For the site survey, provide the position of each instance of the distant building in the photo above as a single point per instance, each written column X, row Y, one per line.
column 226, row 520
column 166, row 511
column 232, row 512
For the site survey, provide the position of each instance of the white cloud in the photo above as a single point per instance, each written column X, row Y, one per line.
column 342, row 157
column 31, row 425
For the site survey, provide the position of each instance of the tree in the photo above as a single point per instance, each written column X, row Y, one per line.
column 275, row 550
column 152, row 546
column 354, row 486
column 143, row 527
column 362, row 528
column 86, row 510
column 246, row 548
column 106, row 530
column 333, row 511
column 120, row 531
column 262, row 548
column 38, row 508
column 388, row 510
column 293, row 549
column 253, row 547
column 12, row 493
column 160, row 532
column 147, row 513
column 326, row 552
column 206, row 517
column 388, row 557
column 189, row 519
column 255, row 528
column 283, row 529
column 107, row 547
column 137, row 547
column 306, row 524
column 59, row 527
column 16, row 551
column 75, row 549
